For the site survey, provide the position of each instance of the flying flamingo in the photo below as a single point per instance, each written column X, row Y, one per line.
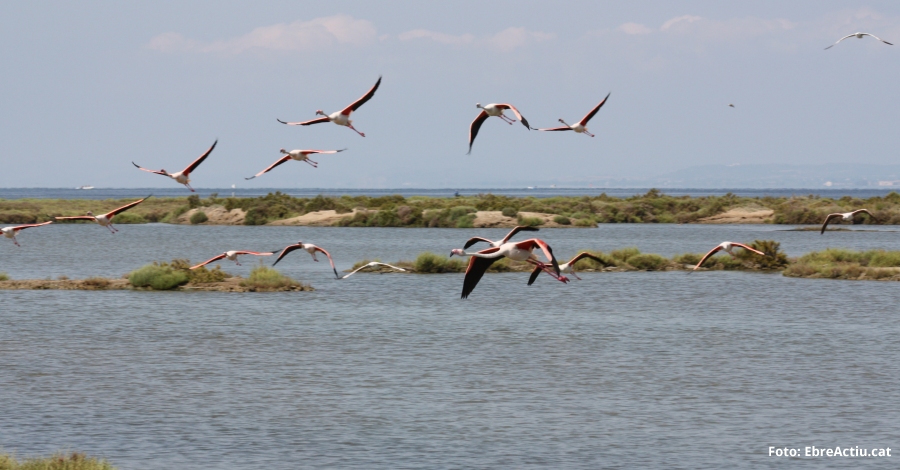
column 493, row 109
column 342, row 117
column 232, row 255
column 309, row 248
column 848, row 216
column 370, row 265
column 581, row 126
column 183, row 176
column 105, row 220
column 566, row 268
column 11, row 232
column 858, row 36
column 480, row 261
column 726, row 247
column 299, row 155
column 505, row 239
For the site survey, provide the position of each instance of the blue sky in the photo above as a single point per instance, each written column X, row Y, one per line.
column 88, row 88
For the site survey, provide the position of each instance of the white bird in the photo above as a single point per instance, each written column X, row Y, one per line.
column 847, row 216
column 370, row 265
column 11, row 232
column 183, row 176
column 299, row 155
column 480, row 261
column 726, row 247
column 493, row 109
column 105, row 220
column 859, row 36
column 505, row 239
column 342, row 117
column 580, row 126
column 232, row 255
column 566, row 268
column 309, row 248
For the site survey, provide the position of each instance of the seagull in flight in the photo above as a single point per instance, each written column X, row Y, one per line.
column 858, row 36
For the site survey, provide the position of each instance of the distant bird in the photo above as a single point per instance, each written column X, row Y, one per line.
column 183, row 176
column 566, row 268
column 342, row 117
column 370, row 265
column 505, row 239
column 847, row 216
column 726, row 247
column 299, row 155
column 581, row 126
column 859, row 36
column 480, row 261
column 11, row 232
column 731, row 105
column 309, row 248
column 232, row 255
column 105, row 220
column 493, row 109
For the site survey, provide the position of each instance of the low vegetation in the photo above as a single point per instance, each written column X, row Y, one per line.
column 73, row 461
column 398, row 211
column 171, row 275
column 4, row 277
column 837, row 263
column 266, row 278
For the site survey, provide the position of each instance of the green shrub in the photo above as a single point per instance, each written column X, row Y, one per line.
column 530, row 221
column 625, row 254
column 687, row 258
column 199, row 217
column 562, row 220
column 255, row 216
column 884, row 259
column 129, row 218
column 193, row 201
column 4, row 277
column 264, row 277
column 510, row 212
column 158, row 277
column 202, row 275
column 774, row 258
column 433, row 263
column 73, row 461
column 648, row 261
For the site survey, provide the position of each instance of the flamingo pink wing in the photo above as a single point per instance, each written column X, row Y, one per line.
column 20, row 227
column 748, row 248
column 329, row 258
column 517, row 113
column 362, row 100
column 707, row 256
column 287, row 250
column 124, row 208
column 591, row 114
column 279, row 162
column 566, row 128
column 158, row 172
column 305, row 123
column 474, row 127
column 215, row 258
column 200, row 159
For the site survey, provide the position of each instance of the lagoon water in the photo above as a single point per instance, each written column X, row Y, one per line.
column 621, row 370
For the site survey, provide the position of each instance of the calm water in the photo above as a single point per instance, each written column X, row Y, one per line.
column 180, row 191
column 624, row 370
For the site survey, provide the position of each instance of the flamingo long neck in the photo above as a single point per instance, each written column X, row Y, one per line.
column 564, row 122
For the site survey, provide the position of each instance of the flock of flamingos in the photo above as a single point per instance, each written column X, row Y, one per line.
column 479, row 261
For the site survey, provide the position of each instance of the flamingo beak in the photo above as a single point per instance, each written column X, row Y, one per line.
column 451, row 255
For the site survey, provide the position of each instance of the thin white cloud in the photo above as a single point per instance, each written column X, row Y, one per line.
column 318, row 33
column 634, row 28
column 505, row 41
column 679, row 19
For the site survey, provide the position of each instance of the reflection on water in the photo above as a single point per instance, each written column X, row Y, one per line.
column 629, row 370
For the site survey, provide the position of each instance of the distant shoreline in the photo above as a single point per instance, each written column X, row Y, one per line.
column 464, row 211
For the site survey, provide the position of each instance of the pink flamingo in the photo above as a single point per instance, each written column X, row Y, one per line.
column 493, row 109
column 105, row 220
column 726, row 247
column 299, row 155
column 480, row 261
column 309, row 248
column 342, row 117
column 11, row 232
column 566, row 268
column 505, row 239
column 581, row 126
column 232, row 255
column 184, row 175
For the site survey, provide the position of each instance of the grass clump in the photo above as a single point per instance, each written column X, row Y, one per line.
column 73, row 461
column 433, row 263
column 648, row 262
column 838, row 263
column 4, row 277
column 530, row 221
column 510, row 212
column 158, row 276
column 265, row 278
column 562, row 220
column 199, row 217
column 202, row 275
